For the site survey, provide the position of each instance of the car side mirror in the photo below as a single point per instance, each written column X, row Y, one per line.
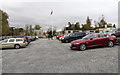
column 91, row 38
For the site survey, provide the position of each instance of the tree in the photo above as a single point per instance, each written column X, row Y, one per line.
column 95, row 24
column 102, row 22
column 63, row 31
column 114, row 26
column 49, row 31
column 77, row 26
column 44, row 33
column 74, row 30
column 39, row 33
column 5, row 24
column 83, row 27
column 37, row 27
column 27, row 29
column 35, row 33
column 54, row 32
column 30, row 29
column 69, row 28
column 88, row 23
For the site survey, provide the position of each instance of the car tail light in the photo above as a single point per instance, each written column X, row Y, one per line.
column 23, row 40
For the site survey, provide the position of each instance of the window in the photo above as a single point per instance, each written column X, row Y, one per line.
column 101, row 36
column 118, row 29
column 4, row 41
column 105, row 35
column 95, row 36
column 17, row 40
column 87, row 37
column 11, row 40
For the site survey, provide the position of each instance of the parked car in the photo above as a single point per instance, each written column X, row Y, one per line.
column 73, row 36
column 93, row 40
column 106, row 31
column 32, row 38
column 63, row 37
column 36, row 37
column 115, row 32
column 13, row 43
column 58, row 36
column 25, row 38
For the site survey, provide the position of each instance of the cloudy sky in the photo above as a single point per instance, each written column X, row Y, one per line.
column 33, row 12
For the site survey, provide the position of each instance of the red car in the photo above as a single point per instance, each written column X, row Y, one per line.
column 92, row 40
column 59, row 36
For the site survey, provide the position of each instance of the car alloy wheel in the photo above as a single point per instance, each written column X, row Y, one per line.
column 82, row 47
column 17, row 46
column 110, row 44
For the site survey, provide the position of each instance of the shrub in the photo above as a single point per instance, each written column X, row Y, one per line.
column 118, row 40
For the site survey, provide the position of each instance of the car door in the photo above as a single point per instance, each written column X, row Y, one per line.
column 4, row 44
column 94, row 41
column 102, row 39
column 72, row 37
column 11, row 43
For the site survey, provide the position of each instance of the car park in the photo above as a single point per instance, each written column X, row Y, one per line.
column 73, row 36
column 13, row 43
column 93, row 40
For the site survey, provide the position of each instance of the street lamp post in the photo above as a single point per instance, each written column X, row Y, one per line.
column 52, row 21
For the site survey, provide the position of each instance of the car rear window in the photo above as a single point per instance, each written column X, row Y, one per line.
column 17, row 40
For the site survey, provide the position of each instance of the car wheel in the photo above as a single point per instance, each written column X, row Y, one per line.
column 82, row 47
column 17, row 46
column 110, row 44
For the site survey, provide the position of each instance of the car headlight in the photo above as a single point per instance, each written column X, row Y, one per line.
column 62, row 38
column 76, row 43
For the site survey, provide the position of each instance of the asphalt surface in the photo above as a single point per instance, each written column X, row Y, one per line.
column 52, row 56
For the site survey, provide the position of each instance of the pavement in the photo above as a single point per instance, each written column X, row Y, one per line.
column 52, row 56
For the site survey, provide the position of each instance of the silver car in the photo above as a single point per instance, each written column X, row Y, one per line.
column 13, row 43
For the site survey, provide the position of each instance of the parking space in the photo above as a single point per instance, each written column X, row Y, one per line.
column 52, row 56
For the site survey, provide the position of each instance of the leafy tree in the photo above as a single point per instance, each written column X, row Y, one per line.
column 77, row 26
column 83, row 27
column 35, row 33
column 44, row 33
column 88, row 23
column 37, row 27
column 27, row 29
column 49, row 31
column 63, row 31
column 39, row 33
column 69, row 28
column 5, row 24
column 54, row 32
column 102, row 22
column 30, row 30
column 114, row 26
column 74, row 30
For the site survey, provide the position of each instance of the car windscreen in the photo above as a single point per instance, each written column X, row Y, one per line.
column 87, row 37
column 4, row 41
column 112, row 30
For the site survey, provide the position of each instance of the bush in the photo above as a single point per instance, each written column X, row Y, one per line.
column 118, row 40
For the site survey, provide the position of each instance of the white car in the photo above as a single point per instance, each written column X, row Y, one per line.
column 13, row 43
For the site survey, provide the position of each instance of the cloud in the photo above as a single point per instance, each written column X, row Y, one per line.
column 28, row 12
